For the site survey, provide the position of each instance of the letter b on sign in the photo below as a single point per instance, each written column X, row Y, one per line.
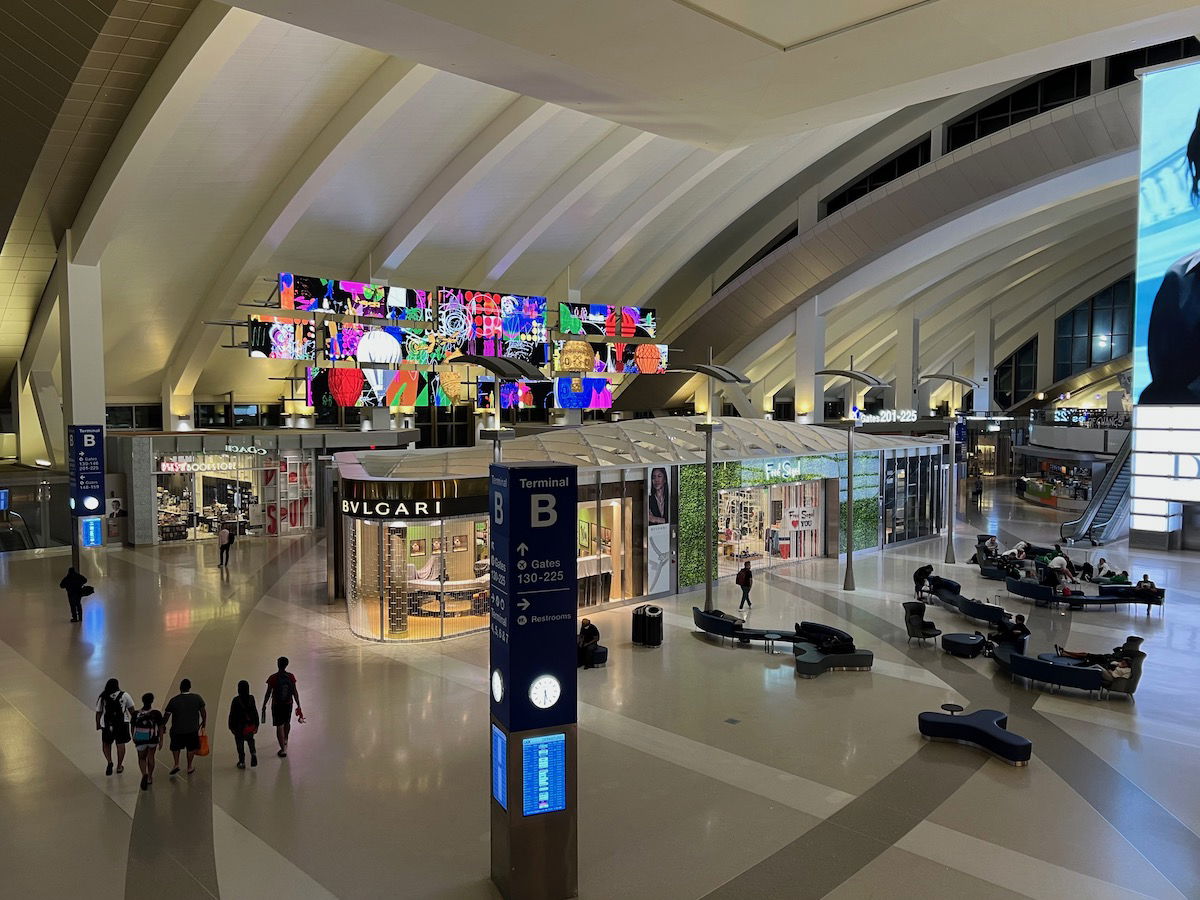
column 498, row 507
column 542, row 513
column 89, row 440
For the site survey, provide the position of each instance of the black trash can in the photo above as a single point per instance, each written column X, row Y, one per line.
column 639, row 624
column 654, row 626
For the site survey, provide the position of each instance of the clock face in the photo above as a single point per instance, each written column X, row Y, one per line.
column 497, row 685
column 545, row 691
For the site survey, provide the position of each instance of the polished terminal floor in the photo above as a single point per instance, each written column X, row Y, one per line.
column 705, row 770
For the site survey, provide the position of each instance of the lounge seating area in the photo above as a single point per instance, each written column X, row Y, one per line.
column 1109, row 595
column 823, row 648
column 726, row 625
column 949, row 594
column 986, row 729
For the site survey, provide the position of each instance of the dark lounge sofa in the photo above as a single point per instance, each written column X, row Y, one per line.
column 948, row 593
column 984, row 728
column 725, row 625
column 1040, row 670
column 822, row 648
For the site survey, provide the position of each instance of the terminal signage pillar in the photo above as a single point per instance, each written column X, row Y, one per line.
column 534, row 603
column 85, row 477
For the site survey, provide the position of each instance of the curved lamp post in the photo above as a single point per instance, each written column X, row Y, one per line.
column 504, row 369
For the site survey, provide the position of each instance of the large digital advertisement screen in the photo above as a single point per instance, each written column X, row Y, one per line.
column 1166, row 363
column 352, row 298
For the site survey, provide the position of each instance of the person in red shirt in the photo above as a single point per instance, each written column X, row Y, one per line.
column 282, row 695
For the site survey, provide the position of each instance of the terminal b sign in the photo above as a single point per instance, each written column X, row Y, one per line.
column 533, row 595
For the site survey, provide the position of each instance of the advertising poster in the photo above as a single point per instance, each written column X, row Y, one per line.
column 658, row 529
column 1166, row 366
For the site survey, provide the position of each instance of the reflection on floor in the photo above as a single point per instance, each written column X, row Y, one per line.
column 705, row 770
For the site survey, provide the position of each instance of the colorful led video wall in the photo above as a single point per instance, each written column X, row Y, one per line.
column 610, row 321
column 1166, row 366
column 274, row 337
column 328, row 388
column 352, row 298
column 622, row 359
column 591, row 393
column 513, row 395
column 491, row 324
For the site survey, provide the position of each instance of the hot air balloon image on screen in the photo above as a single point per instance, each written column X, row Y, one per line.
column 346, row 386
column 382, row 347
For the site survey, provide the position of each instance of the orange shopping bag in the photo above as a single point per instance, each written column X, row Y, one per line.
column 203, row 751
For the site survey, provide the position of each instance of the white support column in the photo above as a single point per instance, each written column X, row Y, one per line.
column 985, row 343
column 81, row 324
column 908, row 340
column 1045, row 351
column 177, row 409
column 810, row 359
column 937, row 141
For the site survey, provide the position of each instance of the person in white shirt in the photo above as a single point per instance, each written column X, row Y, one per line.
column 113, row 708
column 224, row 540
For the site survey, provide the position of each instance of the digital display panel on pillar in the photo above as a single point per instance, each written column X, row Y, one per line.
column 91, row 531
column 500, row 766
column 1166, row 366
column 543, row 774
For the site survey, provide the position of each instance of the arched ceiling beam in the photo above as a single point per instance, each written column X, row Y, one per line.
column 207, row 41
column 504, row 134
column 381, row 96
column 596, row 165
column 681, row 178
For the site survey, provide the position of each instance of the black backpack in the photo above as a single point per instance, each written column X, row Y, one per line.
column 114, row 710
column 283, row 693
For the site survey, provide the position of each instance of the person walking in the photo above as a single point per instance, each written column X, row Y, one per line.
column 281, row 694
column 112, row 721
column 73, row 583
column 224, row 542
column 243, row 722
column 147, row 737
column 186, row 717
column 745, row 580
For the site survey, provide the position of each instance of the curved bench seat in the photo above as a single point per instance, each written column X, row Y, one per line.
column 983, row 728
column 811, row 662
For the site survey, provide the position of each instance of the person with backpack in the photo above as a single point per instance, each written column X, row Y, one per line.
column 74, row 583
column 113, row 707
column 147, row 737
column 243, row 722
column 745, row 580
column 281, row 693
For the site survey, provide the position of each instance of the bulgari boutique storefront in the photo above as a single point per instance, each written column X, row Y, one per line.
column 412, row 556
column 410, row 550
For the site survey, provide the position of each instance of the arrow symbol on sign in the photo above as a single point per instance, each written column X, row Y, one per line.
column 523, row 604
column 522, row 548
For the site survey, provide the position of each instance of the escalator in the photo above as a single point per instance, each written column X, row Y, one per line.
column 1107, row 514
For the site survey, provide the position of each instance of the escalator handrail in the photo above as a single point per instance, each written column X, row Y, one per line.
column 1118, row 464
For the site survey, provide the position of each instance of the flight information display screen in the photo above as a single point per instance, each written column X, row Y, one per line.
column 544, row 774
column 499, row 766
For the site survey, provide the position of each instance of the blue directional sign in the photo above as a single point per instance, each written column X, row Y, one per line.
column 534, row 600
column 85, row 469
column 91, row 531
column 3, row 499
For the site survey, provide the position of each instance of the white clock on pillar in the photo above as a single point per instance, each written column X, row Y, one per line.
column 545, row 691
column 497, row 685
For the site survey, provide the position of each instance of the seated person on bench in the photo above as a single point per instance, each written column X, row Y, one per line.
column 1146, row 587
column 1011, row 633
column 589, row 640
column 1108, row 662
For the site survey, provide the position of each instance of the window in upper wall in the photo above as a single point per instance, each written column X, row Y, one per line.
column 898, row 164
column 1045, row 93
column 1119, row 69
column 1096, row 331
column 1015, row 379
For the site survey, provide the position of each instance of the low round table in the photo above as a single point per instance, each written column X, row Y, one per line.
column 769, row 640
column 952, row 708
column 964, row 645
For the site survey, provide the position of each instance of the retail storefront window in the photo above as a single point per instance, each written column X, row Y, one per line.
column 417, row 581
column 252, row 493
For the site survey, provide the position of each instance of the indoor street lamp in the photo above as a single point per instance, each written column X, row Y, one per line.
column 502, row 368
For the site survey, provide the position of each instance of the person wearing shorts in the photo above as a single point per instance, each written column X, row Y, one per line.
column 281, row 694
column 147, row 729
column 186, row 716
column 112, row 721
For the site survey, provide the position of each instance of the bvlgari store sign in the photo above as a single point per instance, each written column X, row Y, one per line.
column 357, row 501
